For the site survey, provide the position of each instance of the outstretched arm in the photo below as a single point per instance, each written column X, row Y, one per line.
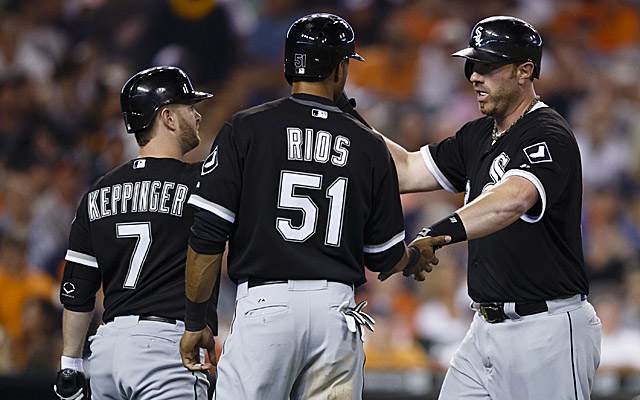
column 498, row 207
column 413, row 174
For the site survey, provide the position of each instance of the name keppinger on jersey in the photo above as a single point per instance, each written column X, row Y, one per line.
column 135, row 197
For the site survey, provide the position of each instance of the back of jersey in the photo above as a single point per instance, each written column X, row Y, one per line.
column 305, row 191
column 133, row 227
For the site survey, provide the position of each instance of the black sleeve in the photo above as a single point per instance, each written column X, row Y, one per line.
column 445, row 160
column 217, row 194
column 384, row 231
column 79, row 286
column 81, row 279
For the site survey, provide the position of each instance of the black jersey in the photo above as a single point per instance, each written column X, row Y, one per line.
column 539, row 256
column 305, row 191
column 131, row 233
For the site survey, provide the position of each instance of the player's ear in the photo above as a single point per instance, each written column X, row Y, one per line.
column 168, row 118
column 524, row 71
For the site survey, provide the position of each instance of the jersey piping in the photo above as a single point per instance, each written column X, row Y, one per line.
column 212, row 207
column 536, row 182
column 379, row 248
column 81, row 258
column 435, row 171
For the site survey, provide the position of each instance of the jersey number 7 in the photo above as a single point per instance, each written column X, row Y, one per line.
column 142, row 232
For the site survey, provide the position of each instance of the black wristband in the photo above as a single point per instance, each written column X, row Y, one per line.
column 195, row 318
column 451, row 225
column 414, row 256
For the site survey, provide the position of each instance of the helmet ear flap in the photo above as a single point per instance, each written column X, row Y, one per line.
column 468, row 69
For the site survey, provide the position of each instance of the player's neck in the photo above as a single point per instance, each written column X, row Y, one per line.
column 320, row 89
column 521, row 108
column 159, row 148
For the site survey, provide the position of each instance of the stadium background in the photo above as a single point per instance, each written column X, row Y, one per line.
column 63, row 63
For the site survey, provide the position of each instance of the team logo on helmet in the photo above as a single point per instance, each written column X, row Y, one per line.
column 478, row 36
column 300, row 63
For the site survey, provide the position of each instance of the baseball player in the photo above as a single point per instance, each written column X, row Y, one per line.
column 534, row 335
column 130, row 235
column 307, row 196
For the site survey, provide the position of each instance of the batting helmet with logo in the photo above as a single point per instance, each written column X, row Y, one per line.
column 502, row 40
column 315, row 45
column 148, row 90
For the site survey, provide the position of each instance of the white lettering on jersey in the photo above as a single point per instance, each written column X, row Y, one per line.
column 104, row 201
column 320, row 147
column 145, row 196
column 497, row 170
column 92, row 205
column 308, row 149
column 294, row 143
column 164, row 197
column 323, row 147
column 339, row 146
column 154, row 196
column 127, row 193
column 136, row 193
column 143, row 205
column 116, row 195
column 182, row 192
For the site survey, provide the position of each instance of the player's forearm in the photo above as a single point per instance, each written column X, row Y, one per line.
column 413, row 174
column 498, row 207
column 74, row 331
column 201, row 275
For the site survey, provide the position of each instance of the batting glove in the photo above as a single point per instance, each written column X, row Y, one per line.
column 356, row 318
column 70, row 385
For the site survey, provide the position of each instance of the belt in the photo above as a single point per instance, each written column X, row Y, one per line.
column 253, row 282
column 494, row 312
column 157, row 319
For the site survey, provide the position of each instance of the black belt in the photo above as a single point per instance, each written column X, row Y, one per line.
column 494, row 312
column 253, row 282
column 157, row 319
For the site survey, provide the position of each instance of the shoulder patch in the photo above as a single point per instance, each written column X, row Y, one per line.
column 211, row 162
column 538, row 153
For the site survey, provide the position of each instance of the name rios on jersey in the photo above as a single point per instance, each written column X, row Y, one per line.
column 317, row 146
column 135, row 197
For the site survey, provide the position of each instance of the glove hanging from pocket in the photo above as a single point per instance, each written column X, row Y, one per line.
column 356, row 318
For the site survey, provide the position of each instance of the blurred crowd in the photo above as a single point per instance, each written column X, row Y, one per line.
column 63, row 63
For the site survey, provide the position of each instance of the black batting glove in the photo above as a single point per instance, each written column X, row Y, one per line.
column 71, row 385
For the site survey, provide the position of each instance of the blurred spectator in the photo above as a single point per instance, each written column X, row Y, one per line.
column 41, row 342
column 18, row 284
column 620, row 344
column 443, row 318
column 51, row 223
column 606, row 248
column 63, row 63
column 392, row 305
column 601, row 25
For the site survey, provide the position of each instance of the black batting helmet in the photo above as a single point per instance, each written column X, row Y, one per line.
column 148, row 90
column 315, row 45
column 503, row 39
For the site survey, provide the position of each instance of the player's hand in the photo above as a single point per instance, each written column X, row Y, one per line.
column 426, row 246
column 190, row 345
column 71, row 385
